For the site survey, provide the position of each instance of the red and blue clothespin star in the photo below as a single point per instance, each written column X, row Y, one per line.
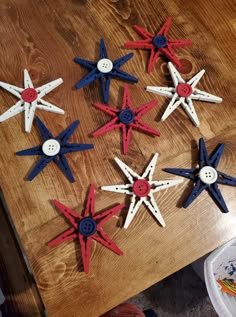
column 87, row 227
column 54, row 149
column 105, row 70
column 127, row 119
column 158, row 44
column 206, row 176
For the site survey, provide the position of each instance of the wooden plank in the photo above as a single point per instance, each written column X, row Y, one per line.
column 44, row 37
column 21, row 296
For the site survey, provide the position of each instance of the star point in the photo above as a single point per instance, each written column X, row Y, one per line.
column 141, row 188
column 127, row 119
column 206, row 177
column 30, row 99
column 87, row 228
column 105, row 70
column 183, row 93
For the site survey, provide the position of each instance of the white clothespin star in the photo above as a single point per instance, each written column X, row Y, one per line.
column 30, row 99
column 141, row 188
column 183, row 93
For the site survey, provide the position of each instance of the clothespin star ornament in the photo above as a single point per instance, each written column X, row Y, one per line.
column 127, row 119
column 54, row 149
column 30, row 99
column 158, row 44
column 183, row 93
column 141, row 188
column 206, row 176
column 105, row 70
column 87, row 228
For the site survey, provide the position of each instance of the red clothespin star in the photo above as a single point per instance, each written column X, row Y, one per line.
column 87, row 227
column 127, row 119
column 158, row 44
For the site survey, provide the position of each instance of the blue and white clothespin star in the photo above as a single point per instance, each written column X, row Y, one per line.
column 54, row 149
column 183, row 93
column 206, row 176
column 30, row 99
column 141, row 188
column 105, row 70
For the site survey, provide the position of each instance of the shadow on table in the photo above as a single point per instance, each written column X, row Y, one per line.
column 16, row 281
column 182, row 294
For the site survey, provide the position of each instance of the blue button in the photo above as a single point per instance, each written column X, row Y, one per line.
column 87, row 226
column 159, row 41
column 126, row 116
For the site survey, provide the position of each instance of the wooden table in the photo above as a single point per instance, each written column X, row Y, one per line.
column 44, row 37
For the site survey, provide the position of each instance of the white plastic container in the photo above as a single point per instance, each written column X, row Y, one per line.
column 219, row 265
column 2, row 299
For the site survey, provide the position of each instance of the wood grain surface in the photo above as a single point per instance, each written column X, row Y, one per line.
column 44, row 37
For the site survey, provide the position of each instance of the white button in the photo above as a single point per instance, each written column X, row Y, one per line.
column 208, row 175
column 104, row 65
column 51, row 147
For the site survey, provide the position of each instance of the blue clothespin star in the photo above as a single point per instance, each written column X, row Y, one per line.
column 105, row 70
column 206, row 176
column 54, row 149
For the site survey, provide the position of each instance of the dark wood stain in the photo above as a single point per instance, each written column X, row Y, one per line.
column 186, row 66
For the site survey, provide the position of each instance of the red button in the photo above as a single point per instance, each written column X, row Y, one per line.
column 184, row 90
column 141, row 188
column 29, row 95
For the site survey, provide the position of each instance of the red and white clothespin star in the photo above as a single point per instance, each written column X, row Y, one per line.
column 183, row 93
column 30, row 99
column 141, row 188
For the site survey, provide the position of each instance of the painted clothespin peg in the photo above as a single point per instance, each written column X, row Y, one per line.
column 183, row 93
column 105, row 70
column 141, row 189
column 30, row 99
column 158, row 44
column 206, row 176
column 54, row 149
column 127, row 119
column 87, row 228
